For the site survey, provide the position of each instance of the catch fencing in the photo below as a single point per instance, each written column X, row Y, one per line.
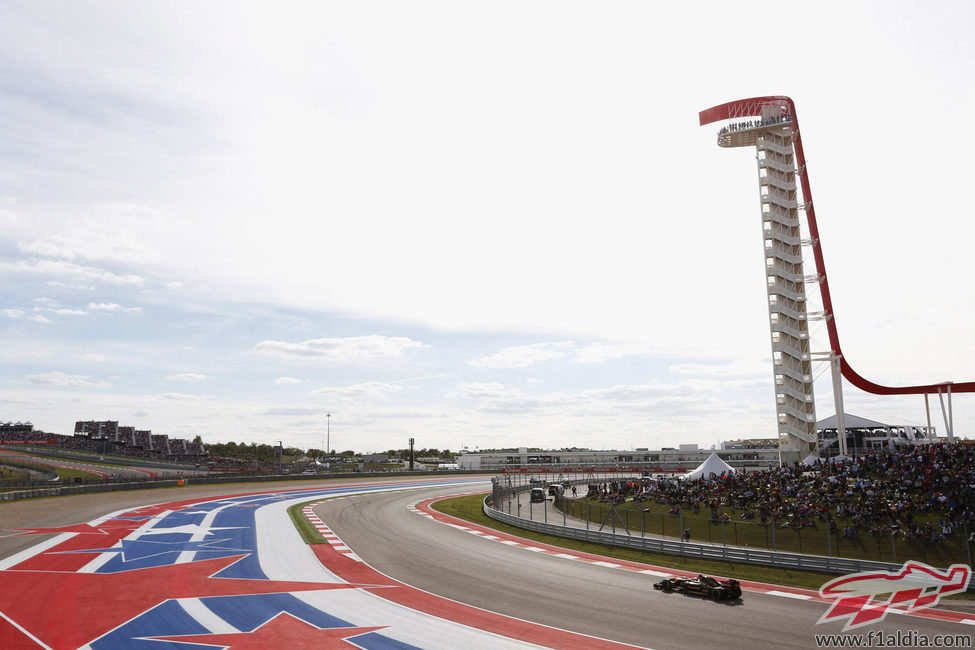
column 548, row 525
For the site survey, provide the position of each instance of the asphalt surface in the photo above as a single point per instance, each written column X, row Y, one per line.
column 590, row 599
column 599, row 601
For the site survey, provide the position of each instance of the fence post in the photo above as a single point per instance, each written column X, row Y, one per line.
column 587, row 514
column 893, row 549
column 968, row 544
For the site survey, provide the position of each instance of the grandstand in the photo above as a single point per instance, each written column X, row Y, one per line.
column 106, row 436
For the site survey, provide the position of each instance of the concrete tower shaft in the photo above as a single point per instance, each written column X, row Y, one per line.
column 770, row 132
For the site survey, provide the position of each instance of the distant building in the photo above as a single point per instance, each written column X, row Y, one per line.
column 644, row 460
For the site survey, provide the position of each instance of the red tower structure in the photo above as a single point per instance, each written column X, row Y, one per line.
column 771, row 125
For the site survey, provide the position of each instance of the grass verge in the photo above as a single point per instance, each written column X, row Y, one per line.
column 469, row 508
column 308, row 532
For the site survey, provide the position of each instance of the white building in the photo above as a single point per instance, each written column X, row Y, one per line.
column 667, row 460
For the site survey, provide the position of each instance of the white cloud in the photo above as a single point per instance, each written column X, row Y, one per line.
column 558, row 237
column 522, row 356
column 8, row 218
column 631, row 392
column 115, row 233
column 355, row 349
column 70, row 273
column 187, row 376
column 13, row 313
column 37, row 318
column 479, row 390
column 182, row 397
column 111, row 306
column 74, row 286
column 91, row 356
column 290, row 380
column 371, row 390
column 599, row 352
column 737, row 367
column 292, row 410
column 64, row 380
column 62, row 311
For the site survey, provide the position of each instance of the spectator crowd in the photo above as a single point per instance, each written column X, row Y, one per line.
column 925, row 492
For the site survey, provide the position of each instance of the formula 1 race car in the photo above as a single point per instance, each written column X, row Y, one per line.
column 702, row 585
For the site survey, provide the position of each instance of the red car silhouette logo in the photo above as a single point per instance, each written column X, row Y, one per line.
column 915, row 586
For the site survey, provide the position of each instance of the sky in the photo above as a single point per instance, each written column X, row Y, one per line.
column 474, row 224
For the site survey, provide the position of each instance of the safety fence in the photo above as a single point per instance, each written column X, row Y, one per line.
column 632, row 539
column 932, row 538
column 49, row 489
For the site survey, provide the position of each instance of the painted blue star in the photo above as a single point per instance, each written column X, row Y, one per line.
column 137, row 549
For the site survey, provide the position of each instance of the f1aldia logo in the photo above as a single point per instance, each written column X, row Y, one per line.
column 913, row 587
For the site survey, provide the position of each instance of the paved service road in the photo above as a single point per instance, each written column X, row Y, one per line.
column 603, row 602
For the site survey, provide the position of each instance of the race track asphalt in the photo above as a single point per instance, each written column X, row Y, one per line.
column 583, row 597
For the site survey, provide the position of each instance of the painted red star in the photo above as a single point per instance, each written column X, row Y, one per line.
column 83, row 529
column 69, row 610
column 282, row 631
column 109, row 533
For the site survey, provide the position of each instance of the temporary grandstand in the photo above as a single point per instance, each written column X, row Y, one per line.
column 106, row 436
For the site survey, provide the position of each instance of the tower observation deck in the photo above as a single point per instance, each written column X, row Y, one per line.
column 770, row 125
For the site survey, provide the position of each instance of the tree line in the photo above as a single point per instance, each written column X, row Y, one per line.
column 265, row 453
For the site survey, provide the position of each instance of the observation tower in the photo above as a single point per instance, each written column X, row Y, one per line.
column 768, row 128
column 770, row 125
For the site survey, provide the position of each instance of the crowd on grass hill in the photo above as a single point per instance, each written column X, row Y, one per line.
column 927, row 493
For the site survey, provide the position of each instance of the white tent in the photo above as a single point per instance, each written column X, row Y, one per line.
column 713, row 465
column 810, row 459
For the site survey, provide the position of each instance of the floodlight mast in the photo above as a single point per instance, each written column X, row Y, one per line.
column 774, row 130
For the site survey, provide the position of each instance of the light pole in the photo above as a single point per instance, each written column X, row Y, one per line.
column 328, row 434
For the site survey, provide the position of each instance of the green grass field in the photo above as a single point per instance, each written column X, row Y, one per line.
column 654, row 518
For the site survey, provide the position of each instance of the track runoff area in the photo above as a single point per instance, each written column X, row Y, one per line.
column 233, row 572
